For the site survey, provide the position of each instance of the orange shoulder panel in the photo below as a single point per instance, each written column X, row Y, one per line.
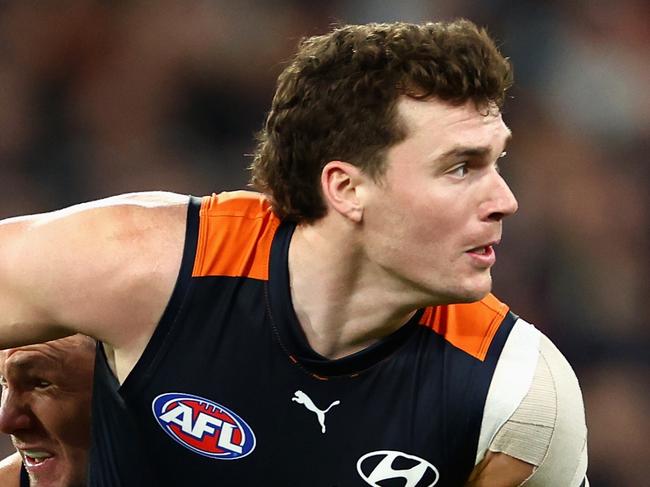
column 470, row 327
column 235, row 234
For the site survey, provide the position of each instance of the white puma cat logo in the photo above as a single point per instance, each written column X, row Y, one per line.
column 302, row 398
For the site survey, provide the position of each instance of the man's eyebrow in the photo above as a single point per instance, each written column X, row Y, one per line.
column 463, row 151
column 477, row 151
column 29, row 363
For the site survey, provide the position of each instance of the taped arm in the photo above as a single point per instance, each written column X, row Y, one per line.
column 548, row 430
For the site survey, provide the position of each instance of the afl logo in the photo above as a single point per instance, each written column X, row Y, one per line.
column 203, row 426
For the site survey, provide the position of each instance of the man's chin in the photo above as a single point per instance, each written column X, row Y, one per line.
column 471, row 293
column 469, row 298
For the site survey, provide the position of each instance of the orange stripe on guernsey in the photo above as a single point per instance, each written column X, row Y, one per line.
column 235, row 234
column 470, row 327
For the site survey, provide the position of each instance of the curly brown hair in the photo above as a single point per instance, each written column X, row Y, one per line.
column 337, row 101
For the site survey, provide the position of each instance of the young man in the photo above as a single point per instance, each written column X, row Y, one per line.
column 336, row 329
column 46, row 392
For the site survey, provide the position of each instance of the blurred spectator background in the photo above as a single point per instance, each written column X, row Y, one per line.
column 99, row 97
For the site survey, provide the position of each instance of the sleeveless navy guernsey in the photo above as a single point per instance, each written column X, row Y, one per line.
column 229, row 393
column 24, row 478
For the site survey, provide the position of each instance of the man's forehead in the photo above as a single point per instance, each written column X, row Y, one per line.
column 441, row 128
column 416, row 113
column 32, row 356
column 56, row 351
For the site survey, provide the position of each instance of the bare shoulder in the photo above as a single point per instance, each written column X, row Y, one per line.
column 105, row 268
column 10, row 471
column 151, row 220
column 99, row 222
column 118, row 211
column 146, row 200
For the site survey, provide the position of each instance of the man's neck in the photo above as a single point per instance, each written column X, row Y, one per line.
column 343, row 302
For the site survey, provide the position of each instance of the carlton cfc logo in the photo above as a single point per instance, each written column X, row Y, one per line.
column 203, row 426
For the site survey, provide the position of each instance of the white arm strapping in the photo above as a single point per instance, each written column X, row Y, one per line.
column 542, row 424
column 565, row 462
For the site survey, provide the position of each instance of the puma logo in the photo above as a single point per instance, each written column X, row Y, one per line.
column 302, row 398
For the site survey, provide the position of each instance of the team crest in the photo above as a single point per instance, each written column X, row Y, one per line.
column 203, row 426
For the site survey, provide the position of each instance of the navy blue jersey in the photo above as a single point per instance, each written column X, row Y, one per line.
column 229, row 393
column 24, row 478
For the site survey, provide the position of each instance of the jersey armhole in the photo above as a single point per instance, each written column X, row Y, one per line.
column 160, row 337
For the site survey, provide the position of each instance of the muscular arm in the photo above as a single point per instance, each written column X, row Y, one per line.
column 105, row 269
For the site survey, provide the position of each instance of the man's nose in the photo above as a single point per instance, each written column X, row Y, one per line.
column 501, row 202
column 14, row 413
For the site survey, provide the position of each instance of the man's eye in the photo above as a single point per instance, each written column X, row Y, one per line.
column 41, row 384
column 460, row 170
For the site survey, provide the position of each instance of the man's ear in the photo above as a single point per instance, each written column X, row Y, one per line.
column 340, row 183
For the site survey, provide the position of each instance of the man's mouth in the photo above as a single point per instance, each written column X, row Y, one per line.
column 484, row 255
column 34, row 458
column 485, row 249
